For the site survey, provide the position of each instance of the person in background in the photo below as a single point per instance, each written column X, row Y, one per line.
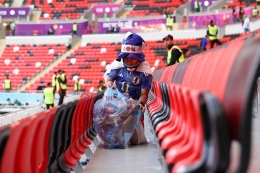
column 48, row 96
column 101, row 86
column 7, row 84
column 255, row 12
column 75, row 29
column 17, row 103
column 116, row 29
column 76, row 85
column 258, row 2
column 9, row 102
column 175, row 54
column 68, row 44
column 246, row 24
column 110, row 29
column 241, row 13
column 54, row 82
column 168, row 12
column 169, row 23
column 196, row 6
column 203, row 43
column 50, row 31
column 67, row 18
column 212, row 32
column 12, row 26
column 62, row 85
column 234, row 13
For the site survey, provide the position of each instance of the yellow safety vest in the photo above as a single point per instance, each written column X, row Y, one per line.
column 6, row 4
column 255, row 11
column 196, row 5
column 257, row 0
column 100, row 88
column 169, row 57
column 213, row 31
column 54, row 82
column 169, row 21
column 48, row 96
column 76, row 86
column 63, row 86
column 75, row 27
column 7, row 84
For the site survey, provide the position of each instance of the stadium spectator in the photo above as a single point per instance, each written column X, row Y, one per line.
column 101, row 86
column 7, row 4
column 110, row 29
column 48, row 96
column 196, row 6
column 241, row 13
column 116, row 29
column 76, row 85
column 41, row 87
column 132, row 75
column 255, row 12
column 17, row 103
column 12, row 26
column 74, row 29
column 89, row 30
column 175, row 54
column 204, row 43
column 50, row 31
column 234, row 13
column 7, row 84
column 258, row 2
column 246, row 24
column 62, row 85
column 68, row 44
column 67, row 18
column 54, row 82
column 9, row 102
column 169, row 23
column 212, row 32
column 168, row 12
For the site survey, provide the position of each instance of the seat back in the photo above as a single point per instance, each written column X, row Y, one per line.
column 41, row 155
column 27, row 147
column 4, row 135
column 11, row 153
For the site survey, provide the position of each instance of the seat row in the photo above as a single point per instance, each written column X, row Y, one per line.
column 50, row 141
column 198, row 107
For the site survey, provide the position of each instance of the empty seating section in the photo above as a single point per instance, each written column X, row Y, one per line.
column 89, row 62
column 237, row 3
column 152, row 7
column 22, row 62
column 193, row 107
column 60, row 9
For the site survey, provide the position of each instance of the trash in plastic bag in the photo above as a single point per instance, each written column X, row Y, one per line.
column 115, row 118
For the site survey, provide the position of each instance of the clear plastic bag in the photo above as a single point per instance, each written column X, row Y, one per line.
column 115, row 118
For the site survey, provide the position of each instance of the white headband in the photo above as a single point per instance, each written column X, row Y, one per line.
column 131, row 49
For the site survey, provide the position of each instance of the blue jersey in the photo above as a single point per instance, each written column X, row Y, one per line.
column 131, row 82
column 204, row 43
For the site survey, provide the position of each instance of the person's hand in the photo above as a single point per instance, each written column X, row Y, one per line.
column 141, row 107
column 111, row 84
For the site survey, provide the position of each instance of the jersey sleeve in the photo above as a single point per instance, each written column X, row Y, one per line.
column 147, row 81
column 113, row 74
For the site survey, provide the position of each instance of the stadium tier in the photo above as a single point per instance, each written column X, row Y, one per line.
column 22, row 62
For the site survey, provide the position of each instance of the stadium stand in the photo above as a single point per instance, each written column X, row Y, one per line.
column 59, row 9
column 22, row 62
column 201, row 103
column 152, row 7
column 90, row 61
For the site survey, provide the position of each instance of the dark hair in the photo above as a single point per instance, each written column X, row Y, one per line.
column 48, row 84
